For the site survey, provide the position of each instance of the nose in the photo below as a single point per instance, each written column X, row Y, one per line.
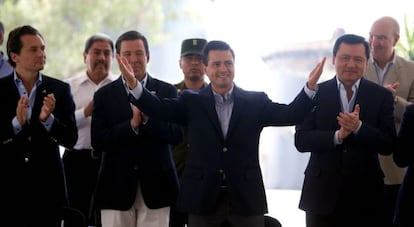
column 41, row 53
column 101, row 56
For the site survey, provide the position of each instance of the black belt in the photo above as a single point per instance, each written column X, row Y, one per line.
column 91, row 152
column 80, row 150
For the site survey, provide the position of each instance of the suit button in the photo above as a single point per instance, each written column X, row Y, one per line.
column 29, row 138
column 224, row 149
column 223, row 175
column 344, row 150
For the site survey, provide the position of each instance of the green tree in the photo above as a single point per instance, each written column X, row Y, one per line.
column 66, row 25
column 406, row 49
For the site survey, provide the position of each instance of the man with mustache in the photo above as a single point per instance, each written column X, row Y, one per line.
column 81, row 166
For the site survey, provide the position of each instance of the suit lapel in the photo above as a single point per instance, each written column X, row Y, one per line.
column 390, row 77
column 371, row 73
column 238, row 104
column 12, row 89
column 151, row 85
column 121, row 97
column 393, row 73
column 364, row 97
column 208, row 103
column 41, row 91
column 330, row 97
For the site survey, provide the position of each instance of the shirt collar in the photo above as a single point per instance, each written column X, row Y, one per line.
column 86, row 79
column 227, row 96
column 392, row 61
column 38, row 81
column 355, row 86
column 143, row 81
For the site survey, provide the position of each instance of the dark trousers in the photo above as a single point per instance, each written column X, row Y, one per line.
column 177, row 219
column 223, row 216
column 81, row 174
column 390, row 201
column 338, row 219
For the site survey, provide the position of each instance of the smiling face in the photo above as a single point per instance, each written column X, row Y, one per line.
column 220, row 70
column 350, row 63
column 383, row 37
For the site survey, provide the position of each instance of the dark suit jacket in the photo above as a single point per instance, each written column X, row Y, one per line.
column 30, row 166
column 180, row 151
column 348, row 174
column 404, row 157
column 129, row 159
column 212, row 156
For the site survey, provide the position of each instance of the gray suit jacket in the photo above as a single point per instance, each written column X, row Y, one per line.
column 402, row 72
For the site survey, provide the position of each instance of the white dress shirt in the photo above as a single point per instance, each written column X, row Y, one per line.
column 83, row 90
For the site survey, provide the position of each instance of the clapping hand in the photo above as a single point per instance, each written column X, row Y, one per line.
column 349, row 122
column 48, row 107
column 21, row 110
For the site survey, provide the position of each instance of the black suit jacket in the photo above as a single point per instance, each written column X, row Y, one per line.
column 30, row 166
column 212, row 157
column 129, row 159
column 404, row 157
column 348, row 174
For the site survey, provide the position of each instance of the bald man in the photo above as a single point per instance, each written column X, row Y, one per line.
column 395, row 73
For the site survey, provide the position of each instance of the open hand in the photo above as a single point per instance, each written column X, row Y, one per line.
column 315, row 75
column 127, row 71
column 48, row 107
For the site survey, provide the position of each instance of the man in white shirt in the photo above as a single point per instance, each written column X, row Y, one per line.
column 81, row 165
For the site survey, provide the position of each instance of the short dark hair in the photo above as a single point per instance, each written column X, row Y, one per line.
column 351, row 39
column 14, row 42
column 97, row 38
column 215, row 45
column 131, row 35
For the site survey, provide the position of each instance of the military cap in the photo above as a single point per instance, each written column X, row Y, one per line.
column 192, row 46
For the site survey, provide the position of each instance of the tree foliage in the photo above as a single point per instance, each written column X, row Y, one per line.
column 66, row 25
column 406, row 49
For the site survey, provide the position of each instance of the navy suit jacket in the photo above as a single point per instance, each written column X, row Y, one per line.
column 404, row 157
column 348, row 173
column 30, row 165
column 212, row 157
column 129, row 159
